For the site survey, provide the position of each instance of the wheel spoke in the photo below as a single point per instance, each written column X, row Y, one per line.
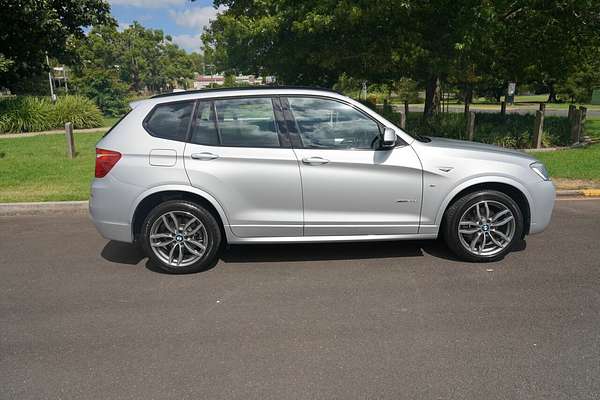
column 180, row 259
column 189, row 223
column 192, row 250
column 496, row 242
column 167, row 225
column 160, row 236
column 469, row 223
column 468, row 231
column 482, row 243
column 172, row 253
column 474, row 241
column 477, row 210
column 503, row 222
column 502, row 235
column 501, row 213
column 162, row 244
column 196, row 243
column 196, row 229
column 174, row 218
column 487, row 211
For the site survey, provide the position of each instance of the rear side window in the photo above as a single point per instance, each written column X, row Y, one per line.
column 170, row 121
column 205, row 127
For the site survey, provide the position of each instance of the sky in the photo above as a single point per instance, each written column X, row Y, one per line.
column 182, row 19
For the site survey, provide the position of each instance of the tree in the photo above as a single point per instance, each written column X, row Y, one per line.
column 30, row 29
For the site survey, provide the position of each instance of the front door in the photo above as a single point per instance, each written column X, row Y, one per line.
column 238, row 155
column 349, row 185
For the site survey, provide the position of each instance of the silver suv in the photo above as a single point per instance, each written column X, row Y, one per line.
column 185, row 173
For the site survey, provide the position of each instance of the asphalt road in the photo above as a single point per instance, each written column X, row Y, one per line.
column 83, row 318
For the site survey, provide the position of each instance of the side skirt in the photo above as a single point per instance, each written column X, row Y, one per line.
column 317, row 239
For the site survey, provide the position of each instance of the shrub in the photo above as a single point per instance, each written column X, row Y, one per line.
column 512, row 130
column 79, row 110
column 24, row 114
column 105, row 89
column 31, row 114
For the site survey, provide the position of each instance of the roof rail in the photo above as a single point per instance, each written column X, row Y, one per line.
column 242, row 88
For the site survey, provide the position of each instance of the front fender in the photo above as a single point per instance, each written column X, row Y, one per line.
column 438, row 212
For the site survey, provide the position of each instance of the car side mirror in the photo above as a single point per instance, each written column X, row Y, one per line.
column 389, row 138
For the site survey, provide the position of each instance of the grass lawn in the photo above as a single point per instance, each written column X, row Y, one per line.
column 109, row 121
column 581, row 163
column 37, row 168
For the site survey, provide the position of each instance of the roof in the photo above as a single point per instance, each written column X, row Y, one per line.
column 229, row 89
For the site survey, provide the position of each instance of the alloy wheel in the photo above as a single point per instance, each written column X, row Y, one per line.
column 486, row 228
column 178, row 238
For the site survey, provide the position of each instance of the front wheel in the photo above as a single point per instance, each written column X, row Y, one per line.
column 483, row 226
column 181, row 237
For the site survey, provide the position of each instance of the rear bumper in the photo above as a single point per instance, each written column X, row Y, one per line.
column 543, row 195
column 110, row 202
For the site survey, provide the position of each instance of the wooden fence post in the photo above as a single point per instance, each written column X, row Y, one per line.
column 542, row 107
column 471, row 125
column 406, row 107
column 503, row 108
column 583, row 111
column 402, row 120
column 538, row 129
column 575, row 126
column 70, row 139
column 572, row 108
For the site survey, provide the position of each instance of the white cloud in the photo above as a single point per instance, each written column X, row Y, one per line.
column 188, row 42
column 196, row 18
column 122, row 26
column 147, row 3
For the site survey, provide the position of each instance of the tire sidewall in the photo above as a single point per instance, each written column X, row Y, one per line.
column 212, row 228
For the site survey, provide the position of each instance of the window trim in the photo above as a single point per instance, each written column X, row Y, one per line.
column 153, row 110
column 291, row 123
column 283, row 137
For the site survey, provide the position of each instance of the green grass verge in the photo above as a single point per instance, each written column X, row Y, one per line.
column 109, row 121
column 583, row 163
column 38, row 169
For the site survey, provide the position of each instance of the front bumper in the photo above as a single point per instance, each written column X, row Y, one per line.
column 543, row 195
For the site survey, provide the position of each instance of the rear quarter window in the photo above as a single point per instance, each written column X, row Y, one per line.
column 170, row 121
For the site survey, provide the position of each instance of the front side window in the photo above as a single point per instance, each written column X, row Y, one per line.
column 170, row 120
column 330, row 124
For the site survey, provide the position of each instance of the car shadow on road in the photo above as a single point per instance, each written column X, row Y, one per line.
column 333, row 251
column 130, row 254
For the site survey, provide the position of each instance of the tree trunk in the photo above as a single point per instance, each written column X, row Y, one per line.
column 552, row 95
column 468, row 98
column 432, row 97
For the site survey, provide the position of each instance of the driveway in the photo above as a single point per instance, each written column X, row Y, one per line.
column 81, row 317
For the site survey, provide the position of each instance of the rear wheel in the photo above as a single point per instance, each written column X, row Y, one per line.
column 483, row 226
column 181, row 237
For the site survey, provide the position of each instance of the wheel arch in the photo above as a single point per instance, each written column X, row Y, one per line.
column 513, row 189
column 151, row 198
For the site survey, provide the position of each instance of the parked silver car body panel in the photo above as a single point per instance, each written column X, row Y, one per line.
column 270, row 195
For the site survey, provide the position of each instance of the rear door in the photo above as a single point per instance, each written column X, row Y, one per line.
column 238, row 154
column 350, row 185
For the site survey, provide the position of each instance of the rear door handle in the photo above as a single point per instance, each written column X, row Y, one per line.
column 204, row 156
column 315, row 160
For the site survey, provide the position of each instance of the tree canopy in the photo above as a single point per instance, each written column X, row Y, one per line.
column 30, row 29
column 470, row 44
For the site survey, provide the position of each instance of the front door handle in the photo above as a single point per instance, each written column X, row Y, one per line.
column 204, row 156
column 315, row 160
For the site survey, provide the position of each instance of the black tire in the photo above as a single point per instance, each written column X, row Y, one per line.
column 459, row 207
column 213, row 239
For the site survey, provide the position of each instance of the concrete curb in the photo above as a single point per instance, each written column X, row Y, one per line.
column 43, row 208
column 81, row 207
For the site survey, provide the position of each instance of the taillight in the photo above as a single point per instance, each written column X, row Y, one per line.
column 105, row 160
